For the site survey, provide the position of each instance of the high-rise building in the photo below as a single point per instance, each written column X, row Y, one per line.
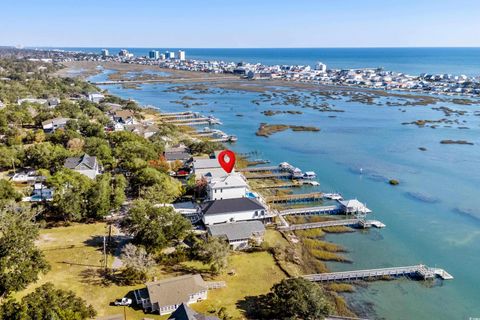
column 123, row 53
column 162, row 56
column 321, row 67
column 181, row 55
column 170, row 55
column 154, row 54
column 105, row 53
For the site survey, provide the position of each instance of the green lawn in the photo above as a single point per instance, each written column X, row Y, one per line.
column 75, row 255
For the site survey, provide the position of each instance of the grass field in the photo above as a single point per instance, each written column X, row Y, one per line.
column 75, row 255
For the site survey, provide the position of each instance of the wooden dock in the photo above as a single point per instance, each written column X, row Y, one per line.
column 289, row 198
column 419, row 271
column 261, row 169
column 279, row 175
column 357, row 223
column 311, row 210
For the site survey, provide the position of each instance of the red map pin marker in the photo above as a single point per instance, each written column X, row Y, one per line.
column 226, row 158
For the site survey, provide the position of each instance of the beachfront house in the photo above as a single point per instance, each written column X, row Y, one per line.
column 53, row 124
column 207, row 167
column 165, row 296
column 227, row 187
column 231, row 210
column 239, row 234
column 85, row 165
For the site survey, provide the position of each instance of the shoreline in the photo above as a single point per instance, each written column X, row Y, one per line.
column 85, row 69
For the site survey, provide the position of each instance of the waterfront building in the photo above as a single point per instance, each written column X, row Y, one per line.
column 170, row 55
column 227, row 187
column 239, row 234
column 105, row 53
column 321, row 67
column 162, row 56
column 181, row 55
column 207, row 167
column 232, row 210
column 125, row 54
column 154, row 54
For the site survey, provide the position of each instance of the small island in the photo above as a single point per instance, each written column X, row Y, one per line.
column 457, row 142
column 266, row 130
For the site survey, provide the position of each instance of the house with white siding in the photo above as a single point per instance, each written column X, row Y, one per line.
column 229, row 186
column 232, row 210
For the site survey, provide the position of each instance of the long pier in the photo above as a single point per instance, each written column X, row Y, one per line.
column 261, row 169
column 304, row 197
column 279, row 175
column 311, row 210
column 358, row 223
column 420, row 271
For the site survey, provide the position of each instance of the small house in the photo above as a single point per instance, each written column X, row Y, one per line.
column 53, row 124
column 353, row 206
column 165, row 296
column 239, row 234
column 85, row 165
column 95, row 97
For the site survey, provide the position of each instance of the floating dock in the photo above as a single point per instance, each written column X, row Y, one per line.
column 421, row 271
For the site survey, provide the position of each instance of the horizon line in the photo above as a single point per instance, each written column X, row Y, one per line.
column 179, row 47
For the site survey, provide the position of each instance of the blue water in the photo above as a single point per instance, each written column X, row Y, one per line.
column 409, row 60
column 432, row 217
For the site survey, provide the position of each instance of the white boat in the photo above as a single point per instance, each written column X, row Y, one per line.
column 333, row 196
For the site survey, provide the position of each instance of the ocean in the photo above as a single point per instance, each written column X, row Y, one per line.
column 432, row 216
column 413, row 61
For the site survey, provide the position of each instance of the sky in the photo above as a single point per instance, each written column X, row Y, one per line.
column 240, row 23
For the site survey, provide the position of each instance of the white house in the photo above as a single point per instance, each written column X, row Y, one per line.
column 54, row 124
column 231, row 210
column 96, row 97
column 165, row 296
column 85, row 165
column 208, row 168
column 227, row 187
column 239, row 234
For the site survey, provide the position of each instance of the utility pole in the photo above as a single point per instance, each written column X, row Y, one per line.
column 124, row 313
column 105, row 252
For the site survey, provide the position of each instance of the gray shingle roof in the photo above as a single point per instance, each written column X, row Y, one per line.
column 184, row 312
column 237, row 230
column 176, row 290
column 231, row 205
column 86, row 160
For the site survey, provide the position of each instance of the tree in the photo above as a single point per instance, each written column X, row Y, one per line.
column 137, row 263
column 70, row 200
column 20, row 260
column 295, row 298
column 45, row 155
column 48, row 303
column 99, row 196
column 118, row 196
column 155, row 227
column 7, row 192
column 156, row 186
column 215, row 252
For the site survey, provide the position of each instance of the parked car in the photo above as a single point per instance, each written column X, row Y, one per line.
column 123, row 302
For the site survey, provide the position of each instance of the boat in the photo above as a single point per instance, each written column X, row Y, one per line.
column 333, row 196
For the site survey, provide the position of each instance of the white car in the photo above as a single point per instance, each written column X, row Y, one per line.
column 123, row 302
